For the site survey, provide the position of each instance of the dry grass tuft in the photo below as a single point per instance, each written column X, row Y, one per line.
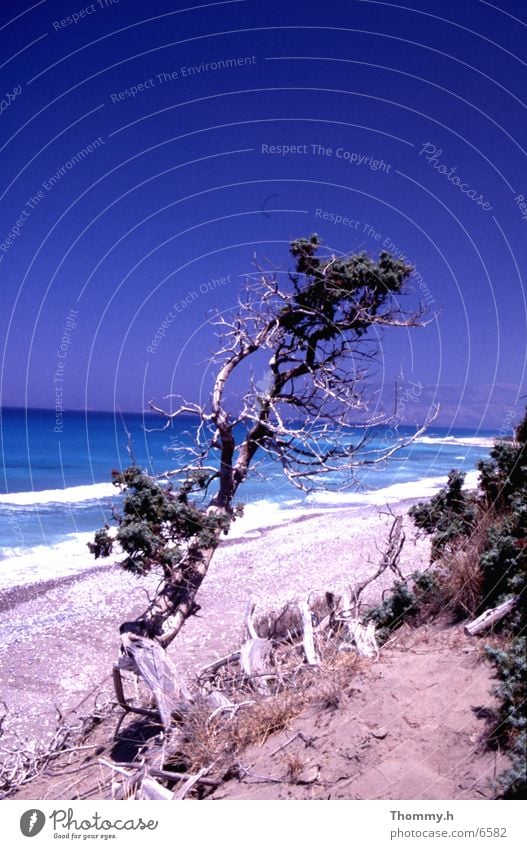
column 267, row 716
column 295, row 764
column 460, row 575
column 207, row 737
column 461, row 580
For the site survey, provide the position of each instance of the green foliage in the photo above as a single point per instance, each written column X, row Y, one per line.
column 157, row 523
column 448, row 515
column 504, row 485
column 402, row 603
column 504, row 476
column 347, row 275
column 389, row 615
column 503, row 562
column 426, row 583
column 511, row 669
column 344, row 294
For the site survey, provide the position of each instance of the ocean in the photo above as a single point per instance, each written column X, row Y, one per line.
column 56, row 485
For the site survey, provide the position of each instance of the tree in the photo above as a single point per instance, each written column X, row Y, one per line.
column 315, row 337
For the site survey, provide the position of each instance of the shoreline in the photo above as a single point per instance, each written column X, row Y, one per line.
column 65, row 555
column 12, row 596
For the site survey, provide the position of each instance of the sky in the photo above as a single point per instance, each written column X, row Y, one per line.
column 149, row 151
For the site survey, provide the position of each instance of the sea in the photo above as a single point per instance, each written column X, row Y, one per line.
column 56, row 489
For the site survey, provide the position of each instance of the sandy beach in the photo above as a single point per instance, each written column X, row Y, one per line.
column 59, row 640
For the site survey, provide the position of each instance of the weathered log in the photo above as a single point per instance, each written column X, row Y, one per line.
column 362, row 636
column 490, row 617
column 159, row 673
column 210, row 669
column 282, row 624
column 120, row 696
column 254, row 655
column 287, row 622
column 249, row 620
column 131, row 775
column 152, row 790
column 189, row 784
column 343, row 611
column 309, row 638
column 182, row 776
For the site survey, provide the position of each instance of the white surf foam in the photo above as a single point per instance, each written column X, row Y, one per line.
column 468, row 441
column 71, row 556
column 422, row 489
column 45, row 562
column 68, row 495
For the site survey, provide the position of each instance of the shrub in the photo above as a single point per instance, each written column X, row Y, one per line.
column 448, row 515
column 511, row 669
column 482, row 542
column 403, row 603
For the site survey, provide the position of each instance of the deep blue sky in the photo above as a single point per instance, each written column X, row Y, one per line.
column 169, row 198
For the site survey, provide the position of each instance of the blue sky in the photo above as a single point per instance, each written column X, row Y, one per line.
column 148, row 151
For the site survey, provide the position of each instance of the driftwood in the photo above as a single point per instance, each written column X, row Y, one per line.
column 140, row 782
column 209, row 671
column 490, row 617
column 230, row 708
column 183, row 776
column 362, row 636
column 189, row 784
column 149, row 660
column 309, row 639
column 22, row 760
column 153, row 790
column 255, row 660
column 389, row 560
column 249, row 620
column 219, row 701
column 286, row 623
column 292, row 621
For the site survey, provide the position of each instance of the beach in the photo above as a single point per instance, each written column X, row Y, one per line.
column 59, row 639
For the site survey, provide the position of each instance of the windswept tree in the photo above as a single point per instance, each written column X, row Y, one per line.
column 313, row 335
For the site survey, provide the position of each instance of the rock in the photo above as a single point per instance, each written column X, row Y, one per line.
column 309, row 774
column 379, row 733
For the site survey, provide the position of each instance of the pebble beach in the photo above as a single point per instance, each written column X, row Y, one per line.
column 60, row 638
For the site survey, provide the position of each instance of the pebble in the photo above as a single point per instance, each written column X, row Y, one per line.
column 379, row 733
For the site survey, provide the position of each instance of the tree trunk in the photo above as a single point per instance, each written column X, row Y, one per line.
column 175, row 601
column 161, row 623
